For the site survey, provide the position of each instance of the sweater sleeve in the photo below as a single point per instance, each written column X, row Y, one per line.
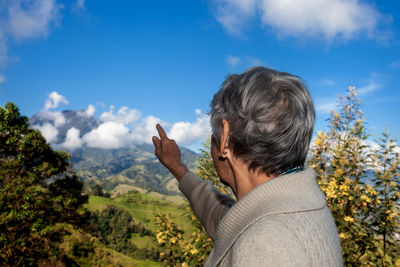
column 208, row 204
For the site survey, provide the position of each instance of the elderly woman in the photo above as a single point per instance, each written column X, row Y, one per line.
column 262, row 122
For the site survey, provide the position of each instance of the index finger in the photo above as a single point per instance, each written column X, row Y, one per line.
column 161, row 131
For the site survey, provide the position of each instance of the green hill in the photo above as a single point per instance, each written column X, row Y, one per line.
column 144, row 207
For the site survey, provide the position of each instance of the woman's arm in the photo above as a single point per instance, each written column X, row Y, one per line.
column 207, row 202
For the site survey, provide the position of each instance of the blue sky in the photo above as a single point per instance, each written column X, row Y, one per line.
column 163, row 60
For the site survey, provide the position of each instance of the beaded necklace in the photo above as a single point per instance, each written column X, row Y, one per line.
column 292, row 170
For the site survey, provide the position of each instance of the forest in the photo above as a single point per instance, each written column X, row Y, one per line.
column 48, row 218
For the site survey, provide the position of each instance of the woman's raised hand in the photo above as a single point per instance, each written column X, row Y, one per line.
column 169, row 154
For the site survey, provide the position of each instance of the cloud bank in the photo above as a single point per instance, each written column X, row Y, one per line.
column 328, row 19
column 26, row 19
column 116, row 129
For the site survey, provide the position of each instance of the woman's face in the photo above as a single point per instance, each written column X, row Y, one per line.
column 222, row 166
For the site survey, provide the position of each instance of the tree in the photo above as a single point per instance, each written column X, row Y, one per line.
column 114, row 226
column 361, row 206
column 385, row 214
column 37, row 191
column 98, row 190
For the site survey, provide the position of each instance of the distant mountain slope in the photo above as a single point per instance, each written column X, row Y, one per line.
column 132, row 165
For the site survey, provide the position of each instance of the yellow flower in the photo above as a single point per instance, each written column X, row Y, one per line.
column 162, row 254
column 349, row 219
column 344, row 161
column 160, row 237
column 339, row 172
column 344, row 236
column 193, row 251
column 365, row 198
column 173, row 240
column 344, row 187
column 392, row 184
column 336, row 115
column 318, row 142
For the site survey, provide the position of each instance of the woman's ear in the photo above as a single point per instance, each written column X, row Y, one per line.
column 224, row 145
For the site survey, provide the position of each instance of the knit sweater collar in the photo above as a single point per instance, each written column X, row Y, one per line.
column 289, row 193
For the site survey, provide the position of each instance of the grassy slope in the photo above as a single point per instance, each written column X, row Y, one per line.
column 144, row 208
column 99, row 254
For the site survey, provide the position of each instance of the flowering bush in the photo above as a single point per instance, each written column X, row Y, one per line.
column 361, row 184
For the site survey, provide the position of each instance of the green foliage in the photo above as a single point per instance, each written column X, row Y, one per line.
column 385, row 213
column 366, row 215
column 83, row 249
column 206, row 169
column 175, row 250
column 98, row 191
column 114, row 227
column 30, row 204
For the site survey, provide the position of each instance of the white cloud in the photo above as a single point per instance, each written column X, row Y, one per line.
column 325, row 105
column 124, row 115
column 301, row 18
column 49, row 131
column 3, row 50
column 232, row 60
column 117, row 129
column 56, row 117
column 54, row 99
column 2, row 79
column 72, row 140
column 89, row 112
column 395, row 64
column 369, row 88
column 30, row 19
column 26, row 19
column 108, row 135
column 146, row 129
column 81, row 4
column 247, row 61
column 327, row 82
column 185, row 133
column 232, row 14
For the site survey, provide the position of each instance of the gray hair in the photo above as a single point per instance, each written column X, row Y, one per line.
column 271, row 119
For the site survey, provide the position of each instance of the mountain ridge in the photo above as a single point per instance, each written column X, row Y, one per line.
column 134, row 164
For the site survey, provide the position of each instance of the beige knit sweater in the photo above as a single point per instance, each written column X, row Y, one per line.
column 282, row 222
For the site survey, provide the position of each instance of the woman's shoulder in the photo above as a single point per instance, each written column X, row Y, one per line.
column 306, row 236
